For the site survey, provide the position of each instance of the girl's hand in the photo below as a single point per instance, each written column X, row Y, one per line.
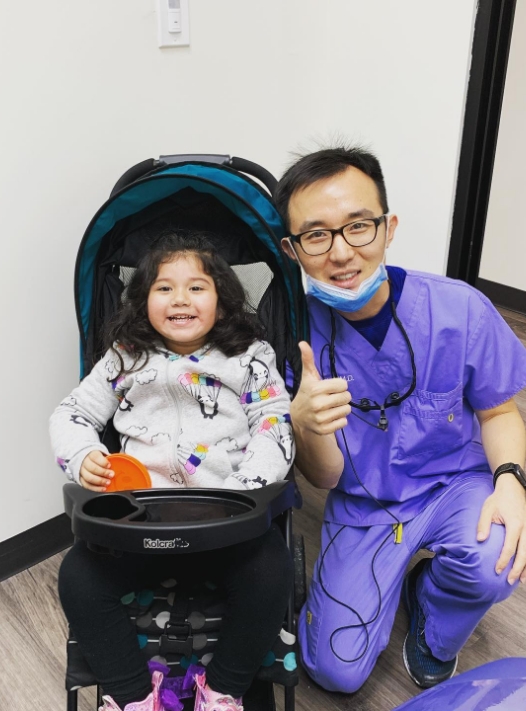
column 95, row 472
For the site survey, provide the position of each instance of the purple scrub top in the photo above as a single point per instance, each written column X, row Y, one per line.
column 467, row 358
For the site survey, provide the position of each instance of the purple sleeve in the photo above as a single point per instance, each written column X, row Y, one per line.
column 495, row 358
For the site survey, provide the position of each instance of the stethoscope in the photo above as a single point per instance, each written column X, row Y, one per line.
column 365, row 405
column 394, row 399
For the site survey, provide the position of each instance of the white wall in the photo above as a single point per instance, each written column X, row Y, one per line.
column 504, row 249
column 86, row 93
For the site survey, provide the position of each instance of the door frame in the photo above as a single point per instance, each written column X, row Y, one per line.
column 491, row 47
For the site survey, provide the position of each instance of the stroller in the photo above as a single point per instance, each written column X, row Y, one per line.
column 229, row 198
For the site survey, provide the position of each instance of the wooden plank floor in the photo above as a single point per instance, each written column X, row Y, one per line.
column 33, row 631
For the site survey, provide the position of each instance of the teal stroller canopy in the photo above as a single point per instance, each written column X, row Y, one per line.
column 235, row 211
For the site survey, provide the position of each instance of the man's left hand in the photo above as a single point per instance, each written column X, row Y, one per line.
column 507, row 507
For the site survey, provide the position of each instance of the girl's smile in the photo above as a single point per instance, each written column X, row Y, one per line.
column 182, row 304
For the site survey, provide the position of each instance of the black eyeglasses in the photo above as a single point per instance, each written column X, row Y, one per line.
column 358, row 233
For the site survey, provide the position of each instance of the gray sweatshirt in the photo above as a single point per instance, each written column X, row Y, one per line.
column 202, row 420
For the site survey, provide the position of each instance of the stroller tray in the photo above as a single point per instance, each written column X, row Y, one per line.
column 174, row 520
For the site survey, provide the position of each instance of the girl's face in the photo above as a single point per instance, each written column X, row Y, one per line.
column 182, row 304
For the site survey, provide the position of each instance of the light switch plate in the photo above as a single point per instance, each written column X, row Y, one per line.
column 165, row 38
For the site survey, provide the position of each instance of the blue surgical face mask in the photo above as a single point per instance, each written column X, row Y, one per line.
column 347, row 300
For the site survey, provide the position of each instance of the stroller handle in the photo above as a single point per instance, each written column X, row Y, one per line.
column 140, row 170
column 256, row 170
column 240, row 164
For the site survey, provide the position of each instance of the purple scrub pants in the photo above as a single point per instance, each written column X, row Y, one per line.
column 455, row 591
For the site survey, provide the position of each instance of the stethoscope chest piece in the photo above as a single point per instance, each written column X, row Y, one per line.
column 394, row 399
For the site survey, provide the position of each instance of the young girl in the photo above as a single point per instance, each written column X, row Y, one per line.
column 196, row 397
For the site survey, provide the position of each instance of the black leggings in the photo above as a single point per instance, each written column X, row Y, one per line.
column 257, row 576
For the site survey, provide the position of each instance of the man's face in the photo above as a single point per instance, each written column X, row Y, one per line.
column 331, row 203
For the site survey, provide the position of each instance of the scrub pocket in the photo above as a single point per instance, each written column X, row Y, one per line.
column 309, row 625
column 430, row 423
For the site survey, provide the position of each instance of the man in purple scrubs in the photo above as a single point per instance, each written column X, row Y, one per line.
column 406, row 413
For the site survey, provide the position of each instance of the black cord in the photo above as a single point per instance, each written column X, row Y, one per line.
column 394, row 398
column 390, row 401
column 362, row 624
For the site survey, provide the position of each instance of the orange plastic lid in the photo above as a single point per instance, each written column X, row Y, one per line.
column 130, row 473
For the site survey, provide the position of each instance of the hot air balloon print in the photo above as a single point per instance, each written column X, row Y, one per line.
column 279, row 428
column 258, row 385
column 205, row 389
column 191, row 455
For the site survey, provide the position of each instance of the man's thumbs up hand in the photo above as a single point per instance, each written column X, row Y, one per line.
column 307, row 360
column 321, row 406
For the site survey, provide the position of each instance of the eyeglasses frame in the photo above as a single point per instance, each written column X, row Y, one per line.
column 339, row 231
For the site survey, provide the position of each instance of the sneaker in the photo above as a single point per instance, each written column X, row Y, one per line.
column 222, row 703
column 423, row 668
column 151, row 703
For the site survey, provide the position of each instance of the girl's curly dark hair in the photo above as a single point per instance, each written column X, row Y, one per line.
column 236, row 327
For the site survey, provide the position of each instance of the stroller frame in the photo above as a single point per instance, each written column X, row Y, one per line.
column 288, row 323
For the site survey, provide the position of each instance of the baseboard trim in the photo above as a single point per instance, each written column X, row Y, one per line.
column 506, row 296
column 34, row 545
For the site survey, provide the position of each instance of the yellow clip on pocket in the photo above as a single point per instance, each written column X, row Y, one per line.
column 398, row 528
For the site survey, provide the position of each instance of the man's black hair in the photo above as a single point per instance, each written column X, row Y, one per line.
column 324, row 164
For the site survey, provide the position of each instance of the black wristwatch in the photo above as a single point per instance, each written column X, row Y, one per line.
column 510, row 468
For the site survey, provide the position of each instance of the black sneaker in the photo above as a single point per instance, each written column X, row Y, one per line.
column 423, row 668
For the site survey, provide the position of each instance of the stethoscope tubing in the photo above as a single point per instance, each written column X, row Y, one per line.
column 394, row 399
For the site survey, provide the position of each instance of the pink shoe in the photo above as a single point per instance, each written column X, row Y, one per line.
column 151, row 703
column 223, row 703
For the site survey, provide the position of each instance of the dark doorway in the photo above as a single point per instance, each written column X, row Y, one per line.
column 491, row 46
